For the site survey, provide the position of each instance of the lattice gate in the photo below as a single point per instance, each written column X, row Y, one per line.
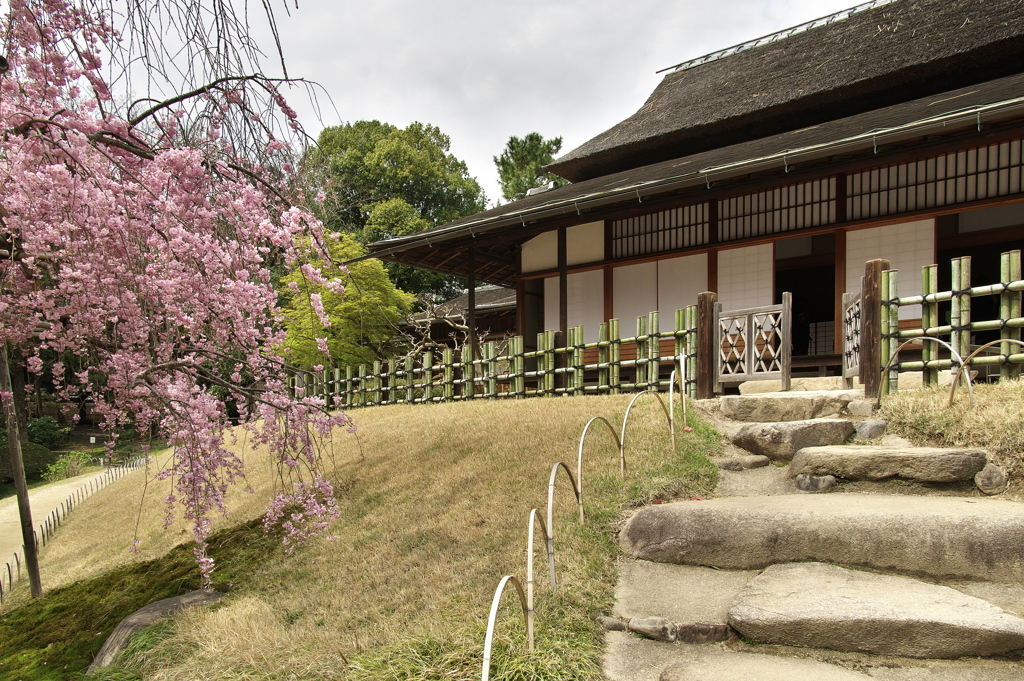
column 755, row 344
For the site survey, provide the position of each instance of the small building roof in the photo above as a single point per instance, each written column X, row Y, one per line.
column 887, row 54
column 489, row 298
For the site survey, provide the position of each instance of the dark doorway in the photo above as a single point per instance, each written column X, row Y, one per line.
column 806, row 267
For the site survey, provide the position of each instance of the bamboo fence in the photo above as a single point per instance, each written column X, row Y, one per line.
column 611, row 365
column 947, row 315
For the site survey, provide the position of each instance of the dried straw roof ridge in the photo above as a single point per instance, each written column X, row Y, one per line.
column 880, row 57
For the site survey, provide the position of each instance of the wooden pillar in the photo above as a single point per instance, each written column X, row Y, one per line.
column 471, row 312
column 563, row 305
column 707, row 353
column 871, row 328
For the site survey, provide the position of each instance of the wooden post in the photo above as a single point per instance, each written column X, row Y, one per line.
column 871, row 327
column 1009, row 308
column 707, row 354
column 786, row 361
column 18, row 471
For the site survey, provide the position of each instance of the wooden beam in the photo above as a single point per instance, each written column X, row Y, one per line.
column 707, row 353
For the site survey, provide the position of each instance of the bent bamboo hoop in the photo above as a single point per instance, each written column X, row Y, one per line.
column 953, row 353
column 489, row 640
column 966, row 363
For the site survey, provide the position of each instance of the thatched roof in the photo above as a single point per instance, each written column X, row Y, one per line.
column 495, row 234
column 883, row 56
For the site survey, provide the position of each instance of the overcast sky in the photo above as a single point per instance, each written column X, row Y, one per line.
column 483, row 70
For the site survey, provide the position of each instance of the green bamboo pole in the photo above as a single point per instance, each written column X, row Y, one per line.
column 929, row 319
column 363, row 396
column 965, row 306
column 491, row 369
column 410, row 380
column 640, row 340
column 1009, row 308
column 893, row 314
column 691, row 349
column 653, row 350
column 428, row 376
column 349, row 388
column 578, row 362
column 549, row 363
column 884, row 388
column 603, row 372
column 448, row 380
column 614, row 356
column 956, row 336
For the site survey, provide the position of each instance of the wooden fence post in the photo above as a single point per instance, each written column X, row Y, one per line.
column 707, row 353
column 871, row 327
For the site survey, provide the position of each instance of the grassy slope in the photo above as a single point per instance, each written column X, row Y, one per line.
column 434, row 503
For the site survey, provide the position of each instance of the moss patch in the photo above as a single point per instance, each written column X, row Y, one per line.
column 57, row 635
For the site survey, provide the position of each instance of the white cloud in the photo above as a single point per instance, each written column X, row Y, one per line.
column 483, row 70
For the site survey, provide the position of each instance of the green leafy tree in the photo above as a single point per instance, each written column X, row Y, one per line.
column 364, row 318
column 520, row 166
column 379, row 181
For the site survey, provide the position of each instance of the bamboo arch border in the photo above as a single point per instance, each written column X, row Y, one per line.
column 681, row 375
column 489, row 640
column 966, row 363
column 526, row 600
column 953, row 353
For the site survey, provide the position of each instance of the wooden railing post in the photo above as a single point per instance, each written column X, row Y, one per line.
column 707, row 353
column 871, row 328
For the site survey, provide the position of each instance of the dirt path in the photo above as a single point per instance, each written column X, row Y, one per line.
column 43, row 500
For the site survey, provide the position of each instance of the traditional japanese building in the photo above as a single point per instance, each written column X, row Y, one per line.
column 893, row 129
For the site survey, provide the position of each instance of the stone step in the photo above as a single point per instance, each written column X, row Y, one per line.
column 874, row 462
column 779, row 441
column 815, row 605
column 937, row 536
column 787, row 406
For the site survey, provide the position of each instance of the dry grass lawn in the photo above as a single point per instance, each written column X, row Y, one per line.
column 995, row 422
column 434, row 502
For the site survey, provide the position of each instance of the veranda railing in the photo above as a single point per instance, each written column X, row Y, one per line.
column 610, row 365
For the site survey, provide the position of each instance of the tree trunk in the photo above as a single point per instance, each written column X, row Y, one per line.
column 18, row 470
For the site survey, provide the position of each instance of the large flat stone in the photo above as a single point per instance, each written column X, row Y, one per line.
column 871, row 462
column 789, row 406
column 816, row 605
column 938, row 536
column 682, row 593
column 780, row 441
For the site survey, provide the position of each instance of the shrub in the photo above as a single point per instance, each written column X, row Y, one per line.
column 35, row 457
column 47, row 432
column 66, row 466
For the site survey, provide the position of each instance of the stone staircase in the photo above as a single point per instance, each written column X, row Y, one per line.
column 902, row 569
